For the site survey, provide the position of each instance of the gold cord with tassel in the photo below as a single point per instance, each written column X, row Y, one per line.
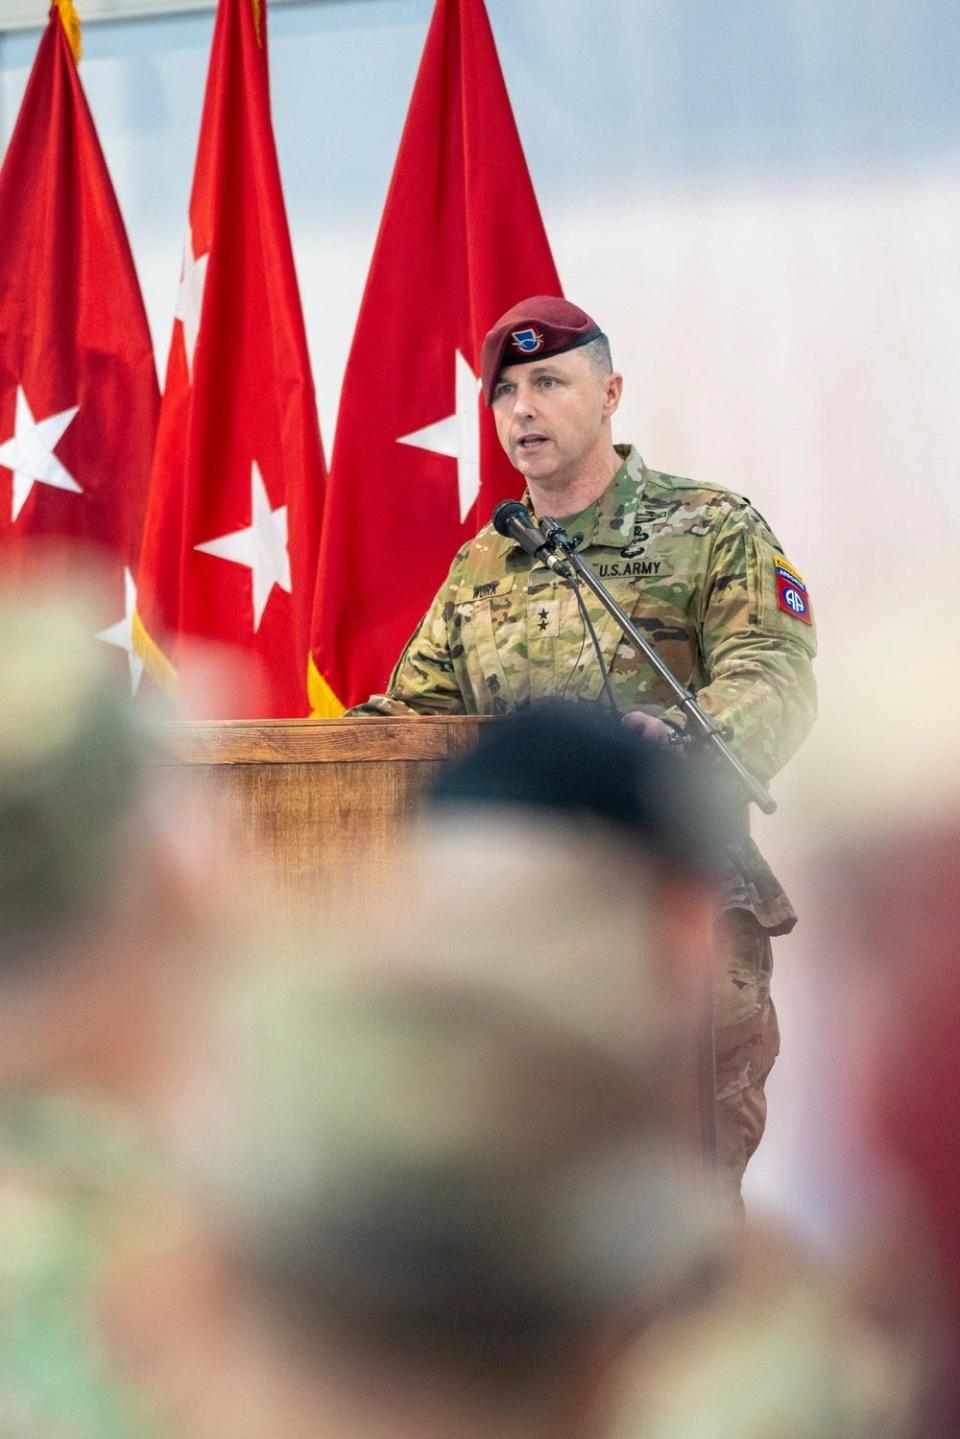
column 71, row 24
column 257, row 20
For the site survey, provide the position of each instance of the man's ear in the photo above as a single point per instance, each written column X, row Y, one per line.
column 612, row 391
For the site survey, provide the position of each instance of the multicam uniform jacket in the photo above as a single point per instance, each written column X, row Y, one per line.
column 698, row 571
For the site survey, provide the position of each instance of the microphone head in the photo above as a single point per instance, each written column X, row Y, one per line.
column 506, row 511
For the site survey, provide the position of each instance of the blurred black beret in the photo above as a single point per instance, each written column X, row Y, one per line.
column 578, row 761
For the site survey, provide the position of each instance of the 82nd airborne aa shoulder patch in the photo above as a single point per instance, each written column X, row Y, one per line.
column 792, row 595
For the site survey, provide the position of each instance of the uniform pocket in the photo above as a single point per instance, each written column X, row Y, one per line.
column 491, row 643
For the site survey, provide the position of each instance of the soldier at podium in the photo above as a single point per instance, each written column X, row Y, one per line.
column 701, row 575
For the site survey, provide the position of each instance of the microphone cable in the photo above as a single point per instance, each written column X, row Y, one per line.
column 588, row 624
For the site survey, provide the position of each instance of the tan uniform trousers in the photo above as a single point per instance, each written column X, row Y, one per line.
column 747, row 1039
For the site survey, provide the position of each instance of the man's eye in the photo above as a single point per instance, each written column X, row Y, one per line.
column 502, row 390
column 547, row 381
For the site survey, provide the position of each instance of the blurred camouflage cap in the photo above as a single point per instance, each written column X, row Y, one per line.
column 422, row 1166
column 71, row 756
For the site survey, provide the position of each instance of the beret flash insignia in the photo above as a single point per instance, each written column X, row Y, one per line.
column 528, row 341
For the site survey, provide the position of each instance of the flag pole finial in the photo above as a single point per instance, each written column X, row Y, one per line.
column 71, row 24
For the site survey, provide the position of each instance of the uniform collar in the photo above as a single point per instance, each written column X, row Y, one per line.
column 610, row 519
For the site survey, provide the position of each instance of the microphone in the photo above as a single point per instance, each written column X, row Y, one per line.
column 515, row 522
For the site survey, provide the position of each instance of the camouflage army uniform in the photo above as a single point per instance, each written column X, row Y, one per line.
column 702, row 576
column 76, row 1173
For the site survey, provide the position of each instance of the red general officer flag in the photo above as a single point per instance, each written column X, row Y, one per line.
column 78, row 385
column 417, row 467
column 230, row 546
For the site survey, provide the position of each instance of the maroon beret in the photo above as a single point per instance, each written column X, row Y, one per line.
column 536, row 328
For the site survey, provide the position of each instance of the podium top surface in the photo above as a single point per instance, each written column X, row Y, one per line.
column 309, row 741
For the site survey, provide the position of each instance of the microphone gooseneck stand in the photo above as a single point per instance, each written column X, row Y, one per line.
column 556, row 541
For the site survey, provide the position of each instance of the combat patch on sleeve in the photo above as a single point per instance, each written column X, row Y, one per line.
column 792, row 595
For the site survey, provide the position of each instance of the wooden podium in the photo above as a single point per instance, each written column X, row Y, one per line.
column 321, row 805
column 320, row 802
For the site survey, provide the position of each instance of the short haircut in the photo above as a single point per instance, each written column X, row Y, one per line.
column 598, row 353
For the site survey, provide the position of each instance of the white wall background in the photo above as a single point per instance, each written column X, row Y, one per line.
column 759, row 199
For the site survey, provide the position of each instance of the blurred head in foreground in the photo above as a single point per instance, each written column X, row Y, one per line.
column 577, row 862
column 427, row 1209
column 94, row 886
column 591, row 856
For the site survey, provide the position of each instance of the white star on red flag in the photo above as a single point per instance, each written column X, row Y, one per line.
column 457, row 435
column 261, row 547
column 29, row 452
column 190, row 297
column 121, row 634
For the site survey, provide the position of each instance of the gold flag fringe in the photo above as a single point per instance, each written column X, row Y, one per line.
column 323, row 702
column 71, row 24
column 258, row 20
column 155, row 662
